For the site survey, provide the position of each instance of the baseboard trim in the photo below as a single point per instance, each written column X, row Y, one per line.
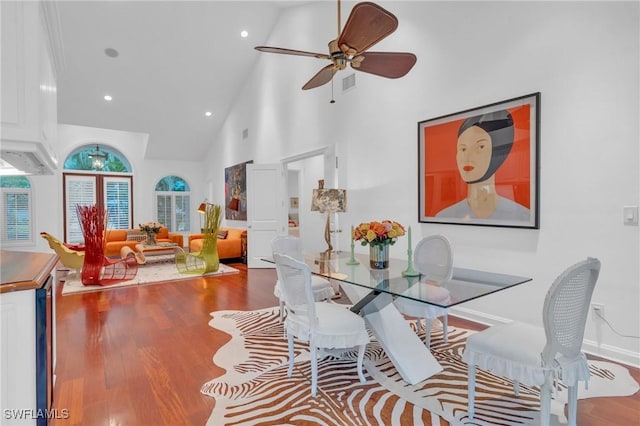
column 612, row 353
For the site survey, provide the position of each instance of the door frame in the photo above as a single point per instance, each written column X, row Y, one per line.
column 330, row 174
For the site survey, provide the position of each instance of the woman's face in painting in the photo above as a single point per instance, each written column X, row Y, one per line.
column 474, row 153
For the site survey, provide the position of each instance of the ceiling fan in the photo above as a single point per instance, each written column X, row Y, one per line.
column 368, row 23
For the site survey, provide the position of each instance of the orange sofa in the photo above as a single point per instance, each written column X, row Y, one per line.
column 228, row 248
column 115, row 239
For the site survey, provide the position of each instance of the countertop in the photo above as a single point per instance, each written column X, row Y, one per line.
column 21, row 270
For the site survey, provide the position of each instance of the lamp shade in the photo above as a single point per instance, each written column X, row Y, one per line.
column 202, row 209
column 329, row 200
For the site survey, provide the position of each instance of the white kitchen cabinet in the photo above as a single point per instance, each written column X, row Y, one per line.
column 29, row 99
column 27, row 337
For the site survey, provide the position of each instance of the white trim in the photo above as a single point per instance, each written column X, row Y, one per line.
column 51, row 23
column 303, row 156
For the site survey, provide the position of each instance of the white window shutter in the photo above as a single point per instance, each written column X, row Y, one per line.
column 79, row 190
column 117, row 193
column 17, row 226
column 164, row 203
column 182, row 213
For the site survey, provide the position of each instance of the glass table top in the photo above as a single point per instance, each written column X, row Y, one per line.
column 464, row 285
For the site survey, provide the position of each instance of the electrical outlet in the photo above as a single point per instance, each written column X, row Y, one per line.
column 598, row 310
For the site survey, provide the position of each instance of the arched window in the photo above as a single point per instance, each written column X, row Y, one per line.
column 101, row 175
column 16, row 222
column 99, row 158
column 173, row 202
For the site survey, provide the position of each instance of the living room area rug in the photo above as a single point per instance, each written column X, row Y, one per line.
column 157, row 269
column 255, row 389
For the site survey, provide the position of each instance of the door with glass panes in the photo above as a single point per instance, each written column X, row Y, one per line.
column 110, row 192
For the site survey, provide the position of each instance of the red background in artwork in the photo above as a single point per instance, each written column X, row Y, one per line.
column 442, row 183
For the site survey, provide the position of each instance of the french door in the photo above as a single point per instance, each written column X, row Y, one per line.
column 107, row 191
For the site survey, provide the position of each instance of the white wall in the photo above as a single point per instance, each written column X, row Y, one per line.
column 582, row 57
column 147, row 173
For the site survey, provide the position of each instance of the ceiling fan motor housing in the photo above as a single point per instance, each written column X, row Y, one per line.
column 337, row 56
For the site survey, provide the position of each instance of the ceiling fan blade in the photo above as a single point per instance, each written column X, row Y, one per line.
column 385, row 64
column 368, row 23
column 282, row 51
column 322, row 77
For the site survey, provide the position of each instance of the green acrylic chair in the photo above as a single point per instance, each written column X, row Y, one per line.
column 205, row 260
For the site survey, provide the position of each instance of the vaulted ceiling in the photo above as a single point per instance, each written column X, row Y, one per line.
column 165, row 64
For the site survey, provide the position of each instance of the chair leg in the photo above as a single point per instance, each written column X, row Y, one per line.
column 471, row 390
column 516, row 388
column 314, row 369
column 418, row 324
column 291, row 354
column 281, row 310
column 545, row 400
column 360, row 361
column 573, row 404
column 445, row 326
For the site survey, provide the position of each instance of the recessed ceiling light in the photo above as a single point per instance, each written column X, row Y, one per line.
column 244, row 34
column 208, row 114
column 107, row 97
column 111, row 52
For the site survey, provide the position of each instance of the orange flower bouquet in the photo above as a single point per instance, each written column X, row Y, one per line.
column 378, row 233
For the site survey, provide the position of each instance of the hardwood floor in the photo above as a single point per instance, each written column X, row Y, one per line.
column 139, row 355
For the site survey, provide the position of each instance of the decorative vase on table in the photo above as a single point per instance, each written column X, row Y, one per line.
column 379, row 256
column 150, row 229
column 151, row 239
column 378, row 236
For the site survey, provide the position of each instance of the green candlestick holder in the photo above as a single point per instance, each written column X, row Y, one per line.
column 410, row 272
column 352, row 260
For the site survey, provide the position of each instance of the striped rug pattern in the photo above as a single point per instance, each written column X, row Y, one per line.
column 256, row 390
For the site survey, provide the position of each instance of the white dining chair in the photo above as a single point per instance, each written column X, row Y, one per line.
column 433, row 258
column 539, row 356
column 323, row 325
column 291, row 246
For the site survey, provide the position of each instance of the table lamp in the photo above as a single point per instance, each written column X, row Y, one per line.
column 328, row 201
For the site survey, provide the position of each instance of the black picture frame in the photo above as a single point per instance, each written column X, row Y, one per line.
column 481, row 166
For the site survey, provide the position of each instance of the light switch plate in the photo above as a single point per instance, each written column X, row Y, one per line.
column 630, row 215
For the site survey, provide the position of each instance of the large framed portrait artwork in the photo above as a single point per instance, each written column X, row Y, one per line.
column 481, row 166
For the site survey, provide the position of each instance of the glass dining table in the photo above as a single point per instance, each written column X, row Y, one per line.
column 372, row 292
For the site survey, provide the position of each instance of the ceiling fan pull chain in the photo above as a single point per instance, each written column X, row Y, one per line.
column 332, row 101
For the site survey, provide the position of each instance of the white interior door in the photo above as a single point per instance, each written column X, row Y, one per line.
column 266, row 211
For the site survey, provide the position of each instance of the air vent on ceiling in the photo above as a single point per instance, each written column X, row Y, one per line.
column 348, row 82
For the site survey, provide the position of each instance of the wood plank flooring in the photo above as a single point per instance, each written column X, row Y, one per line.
column 139, row 355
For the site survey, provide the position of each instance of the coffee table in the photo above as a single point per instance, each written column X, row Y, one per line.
column 143, row 251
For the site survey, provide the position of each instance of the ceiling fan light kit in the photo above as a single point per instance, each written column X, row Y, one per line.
column 367, row 24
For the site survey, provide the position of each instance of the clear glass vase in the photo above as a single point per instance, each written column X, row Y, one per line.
column 379, row 256
column 151, row 239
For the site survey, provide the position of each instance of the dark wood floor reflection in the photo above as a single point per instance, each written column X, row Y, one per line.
column 139, row 355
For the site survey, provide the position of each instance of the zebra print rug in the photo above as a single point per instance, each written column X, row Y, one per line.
column 256, row 390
